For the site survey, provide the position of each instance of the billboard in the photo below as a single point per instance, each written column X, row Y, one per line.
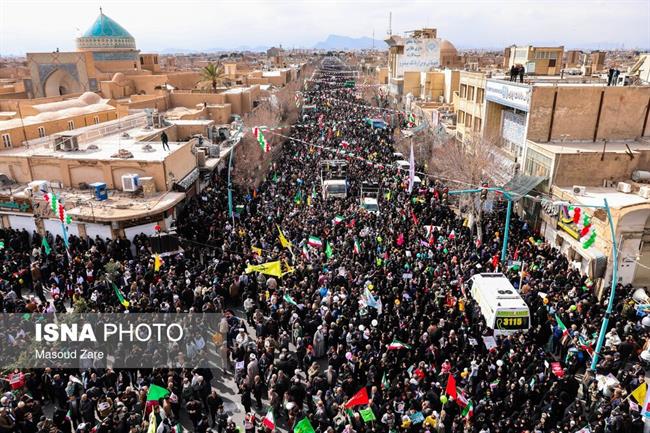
column 508, row 94
column 420, row 55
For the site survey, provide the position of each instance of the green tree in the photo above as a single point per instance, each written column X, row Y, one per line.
column 213, row 75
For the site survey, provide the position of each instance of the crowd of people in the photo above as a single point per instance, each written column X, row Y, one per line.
column 370, row 303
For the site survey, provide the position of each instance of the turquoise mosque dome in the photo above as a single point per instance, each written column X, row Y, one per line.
column 105, row 33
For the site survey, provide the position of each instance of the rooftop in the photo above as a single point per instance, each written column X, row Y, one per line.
column 106, row 27
column 575, row 147
column 595, row 197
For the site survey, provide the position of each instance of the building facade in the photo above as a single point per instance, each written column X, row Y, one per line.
column 537, row 60
column 470, row 106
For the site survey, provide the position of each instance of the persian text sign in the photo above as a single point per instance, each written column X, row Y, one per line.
column 133, row 340
column 508, row 94
column 420, row 55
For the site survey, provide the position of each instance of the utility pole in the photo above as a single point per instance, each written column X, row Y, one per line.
column 390, row 23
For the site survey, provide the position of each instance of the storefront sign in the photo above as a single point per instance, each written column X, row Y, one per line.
column 510, row 95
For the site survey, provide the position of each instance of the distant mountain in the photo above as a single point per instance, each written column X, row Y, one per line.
column 337, row 42
column 256, row 49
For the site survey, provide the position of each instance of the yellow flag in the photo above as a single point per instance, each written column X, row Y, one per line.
column 257, row 251
column 289, row 269
column 283, row 240
column 270, row 268
column 639, row 393
column 152, row 423
column 157, row 263
column 308, row 200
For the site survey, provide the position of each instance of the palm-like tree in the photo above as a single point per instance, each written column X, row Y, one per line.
column 213, row 74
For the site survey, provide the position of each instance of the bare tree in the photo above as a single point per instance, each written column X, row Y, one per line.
column 466, row 165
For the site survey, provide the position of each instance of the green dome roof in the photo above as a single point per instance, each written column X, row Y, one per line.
column 106, row 27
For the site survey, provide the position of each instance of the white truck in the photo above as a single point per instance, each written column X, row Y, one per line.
column 333, row 174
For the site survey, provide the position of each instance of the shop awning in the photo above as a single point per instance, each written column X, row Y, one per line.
column 520, row 185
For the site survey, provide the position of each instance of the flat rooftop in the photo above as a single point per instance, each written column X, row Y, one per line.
column 575, row 147
column 107, row 146
column 595, row 196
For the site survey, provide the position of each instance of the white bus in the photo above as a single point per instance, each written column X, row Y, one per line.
column 502, row 308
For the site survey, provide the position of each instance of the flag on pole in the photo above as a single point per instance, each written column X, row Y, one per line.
column 269, row 420
column 338, row 219
column 283, row 240
column 452, row 235
column 328, row 250
column 305, row 252
column 450, row 390
column 156, row 392
column 562, row 326
column 269, row 268
column 46, row 246
column 411, row 170
column 261, row 140
column 315, row 242
column 640, row 392
column 396, row 345
column 358, row 399
column 384, row 381
column 356, row 248
column 157, row 263
column 120, row 296
column 468, row 411
column 415, row 219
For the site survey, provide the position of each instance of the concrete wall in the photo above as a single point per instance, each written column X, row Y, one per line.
column 180, row 162
column 190, row 100
column 623, row 113
column 587, row 169
column 412, row 83
column 183, row 80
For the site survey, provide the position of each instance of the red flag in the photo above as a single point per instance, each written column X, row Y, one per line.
column 358, row 399
column 451, row 387
column 400, row 239
column 495, row 261
column 415, row 219
column 515, row 256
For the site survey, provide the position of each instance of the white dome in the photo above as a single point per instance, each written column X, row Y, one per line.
column 90, row 98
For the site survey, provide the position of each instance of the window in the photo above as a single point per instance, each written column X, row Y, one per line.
column 461, row 117
column 41, row 131
column 70, row 125
column 470, row 93
column 468, row 121
column 537, row 164
column 463, row 91
column 551, row 63
column 480, row 95
column 96, row 120
column 6, row 141
column 477, row 124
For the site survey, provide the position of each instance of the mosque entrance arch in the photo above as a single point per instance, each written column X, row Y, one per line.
column 60, row 82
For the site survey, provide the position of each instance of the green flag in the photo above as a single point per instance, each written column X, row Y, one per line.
column 367, row 415
column 289, row 300
column 2, row 245
column 46, row 245
column 385, row 382
column 156, row 392
column 304, row 426
column 328, row 250
column 120, row 296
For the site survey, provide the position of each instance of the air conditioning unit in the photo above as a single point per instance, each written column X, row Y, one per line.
column 66, row 143
column 130, row 182
column 38, row 186
column 644, row 192
column 579, row 190
column 624, row 187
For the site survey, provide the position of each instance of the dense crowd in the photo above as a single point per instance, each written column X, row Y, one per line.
column 305, row 343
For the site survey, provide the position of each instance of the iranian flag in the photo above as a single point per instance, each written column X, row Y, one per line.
column 315, row 242
column 259, row 136
column 356, row 248
column 305, row 252
column 562, row 326
column 338, row 219
column 269, row 420
column 468, row 411
column 397, row 345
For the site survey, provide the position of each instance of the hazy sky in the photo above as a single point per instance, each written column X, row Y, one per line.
column 160, row 24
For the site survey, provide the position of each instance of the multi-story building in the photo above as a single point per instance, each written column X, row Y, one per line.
column 537, row 60
column 573, row 59
column 470, row 105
